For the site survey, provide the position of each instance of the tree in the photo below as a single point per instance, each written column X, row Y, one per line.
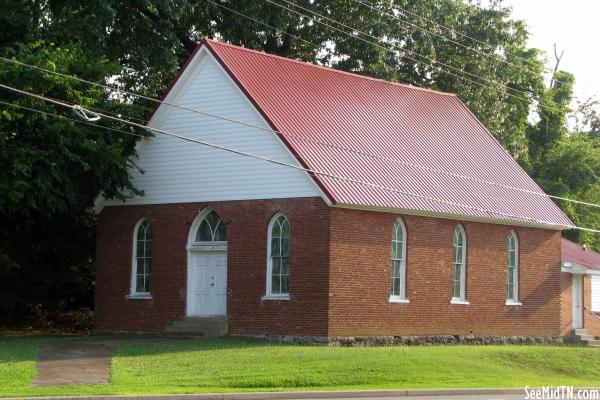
column 152, row 38
column 52, row 171
column 571, row 168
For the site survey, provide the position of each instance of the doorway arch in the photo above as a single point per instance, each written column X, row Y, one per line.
column 207, row 266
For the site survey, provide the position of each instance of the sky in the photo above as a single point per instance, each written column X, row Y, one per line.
column 574, row 25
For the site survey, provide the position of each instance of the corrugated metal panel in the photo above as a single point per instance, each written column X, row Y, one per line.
column 575, row 253
column 388, row 120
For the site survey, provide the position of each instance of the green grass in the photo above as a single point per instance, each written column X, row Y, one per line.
column 224, row 365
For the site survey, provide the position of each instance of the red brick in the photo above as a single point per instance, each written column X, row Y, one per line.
column 339, row 274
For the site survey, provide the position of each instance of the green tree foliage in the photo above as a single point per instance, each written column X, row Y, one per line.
column 553, row 113
column 571, row 168
column 53, row 169
column 152, row 38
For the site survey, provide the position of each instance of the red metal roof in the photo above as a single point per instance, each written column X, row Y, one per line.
column 400, row 125
column 577, row 254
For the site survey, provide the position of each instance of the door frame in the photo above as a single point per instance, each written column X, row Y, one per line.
column 577, row 289
column 194, row 247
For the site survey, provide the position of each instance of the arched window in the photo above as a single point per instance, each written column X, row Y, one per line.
column 278, row 264
column 512, row 268
column 398, row 262
column 211, row 229
column 142, row 257
column 459, row 273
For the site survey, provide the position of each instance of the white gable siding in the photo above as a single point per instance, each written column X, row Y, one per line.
column 178, row 171
column 595, row 293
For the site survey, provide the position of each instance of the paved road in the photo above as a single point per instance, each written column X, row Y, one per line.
column 443, row 397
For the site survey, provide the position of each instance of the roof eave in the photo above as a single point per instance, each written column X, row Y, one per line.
column 457, row 217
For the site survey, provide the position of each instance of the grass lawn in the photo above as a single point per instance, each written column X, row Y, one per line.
column 230, row 364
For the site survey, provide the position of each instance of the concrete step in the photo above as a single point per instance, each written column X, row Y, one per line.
column 199, row 326
column 591, row 343
column 580, row 332
column 585, row 337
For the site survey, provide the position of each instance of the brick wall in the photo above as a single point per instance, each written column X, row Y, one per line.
column 348, row 298
column 566, row 305
column 591, row 321
column 304, row 314
column 360, row 279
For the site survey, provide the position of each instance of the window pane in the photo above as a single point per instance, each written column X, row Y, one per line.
column 511, row 290
column 147, row 284
column 147, row 266
column 285, row 246
column 396, row 287
column 221, row 232
column 276, row 265
column 148, row 230
column 275, row 247
column 396, row 268
column 285, row 265
column 458, row 255
column 139, row 250
column 456, row 289
column 139, row 283
column 456, row 280
column 204, row 233
column 284, row 284
column 276, row 230
column 213, row 219
column 275, row 284
column 141, row 233
column 148, row 248
column 139, row 266
column 512, row 261
column 285, row 227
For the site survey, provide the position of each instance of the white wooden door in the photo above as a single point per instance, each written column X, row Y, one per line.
column 577, row 301
column 208, row 283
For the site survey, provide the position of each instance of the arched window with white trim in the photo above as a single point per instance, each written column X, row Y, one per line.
column 512, row 268
column 278, row 263
column 459, row 273
column 211, row 229
column 142, row 258
column 398, row 290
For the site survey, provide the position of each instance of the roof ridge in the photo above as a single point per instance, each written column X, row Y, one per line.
column 330, row 69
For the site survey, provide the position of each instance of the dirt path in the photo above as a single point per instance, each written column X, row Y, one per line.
column 74, row 362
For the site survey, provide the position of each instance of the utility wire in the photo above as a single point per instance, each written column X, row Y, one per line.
column 300, row 137
column 431, row 32
column 318, row 46
column 69, row 119
column 452, row 31
column 307, row 170
column 430, row 62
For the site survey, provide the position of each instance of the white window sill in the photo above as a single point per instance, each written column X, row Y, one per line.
column 400, row 300
column 513, row 303
column 459, row 301
column 273, row 297
column 139, row 296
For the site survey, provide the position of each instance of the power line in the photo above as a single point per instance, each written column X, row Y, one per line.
column 307, row 170
column 431, row 60
column 453, row 31
column 431, row 32
column 317, row 46
column 300, row 137
column 69, row 119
